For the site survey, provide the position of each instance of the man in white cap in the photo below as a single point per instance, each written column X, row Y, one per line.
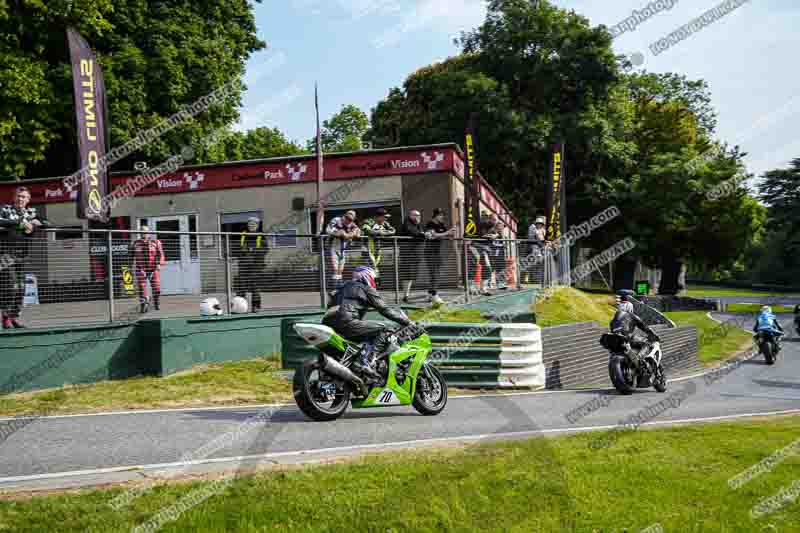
column 253, row 248
column 537, row 234
column 342, row 231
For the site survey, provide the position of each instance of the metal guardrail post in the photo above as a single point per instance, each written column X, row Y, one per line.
column 517, row 264
column 396, row 271
column 323, row 288
column 110, row 278
column 228, row 281
column 465, row 265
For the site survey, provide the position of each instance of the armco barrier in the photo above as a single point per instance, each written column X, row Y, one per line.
column 469, row 355
column 574, row 358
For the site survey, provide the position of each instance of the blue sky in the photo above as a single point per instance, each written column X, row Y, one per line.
column 359, row 49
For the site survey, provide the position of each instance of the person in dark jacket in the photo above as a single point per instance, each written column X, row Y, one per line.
column 253, row 248
column 625, row 323
column 411, row 251
column 436, row 230
column 346, row 316
column 18, row 222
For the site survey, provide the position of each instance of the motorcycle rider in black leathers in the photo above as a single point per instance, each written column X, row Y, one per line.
column 625, row 323
column 346, row 312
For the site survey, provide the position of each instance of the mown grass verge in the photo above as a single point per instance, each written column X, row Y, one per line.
column 676, row 478
column 699, row 291
column 241, row 382
column 717, row 342
column 568, row 306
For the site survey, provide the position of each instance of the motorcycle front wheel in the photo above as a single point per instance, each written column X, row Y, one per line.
column 318, row 395
column 660, row 380
column 622, row 374
column 430, row 395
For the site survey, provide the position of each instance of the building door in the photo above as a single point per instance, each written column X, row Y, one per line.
column 181, row 272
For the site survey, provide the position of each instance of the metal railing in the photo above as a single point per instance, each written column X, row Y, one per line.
column 73, row 276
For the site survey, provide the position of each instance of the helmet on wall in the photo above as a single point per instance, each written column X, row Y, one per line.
column 210, row 307
column 239, row 305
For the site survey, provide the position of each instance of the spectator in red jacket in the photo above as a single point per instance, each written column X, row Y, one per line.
column 148, row 256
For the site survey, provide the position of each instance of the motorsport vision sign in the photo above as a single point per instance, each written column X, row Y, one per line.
column 91, row 120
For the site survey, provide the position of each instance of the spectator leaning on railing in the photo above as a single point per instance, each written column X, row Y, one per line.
column 436, row 230
column 18, row 222
column 342, row 231
column 412, row 250
column 375, row 228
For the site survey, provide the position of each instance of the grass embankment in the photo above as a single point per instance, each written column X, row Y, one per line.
column 699, row 291
column 567, row 305
column 677, row 478
column 755, row 308
column 240, row 382
column 717, row 341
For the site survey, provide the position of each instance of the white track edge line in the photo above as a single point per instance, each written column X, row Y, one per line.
column 396, row 444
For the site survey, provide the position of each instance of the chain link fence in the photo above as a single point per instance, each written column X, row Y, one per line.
column 73, row 276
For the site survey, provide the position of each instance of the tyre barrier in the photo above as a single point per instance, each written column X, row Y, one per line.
column 509, row 355
column 474, row 355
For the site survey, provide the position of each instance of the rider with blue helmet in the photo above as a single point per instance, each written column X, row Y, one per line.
column 766, row 321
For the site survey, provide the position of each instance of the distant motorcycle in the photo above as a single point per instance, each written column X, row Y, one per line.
column 769, row 345
column 629, row 369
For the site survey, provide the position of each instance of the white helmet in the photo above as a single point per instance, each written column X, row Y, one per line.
column 766, row 309
column 239, row 305
column 210, row 307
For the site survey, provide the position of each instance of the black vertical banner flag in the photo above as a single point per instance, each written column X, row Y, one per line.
column 471, row 184
column 91, row 120
column 555, row 201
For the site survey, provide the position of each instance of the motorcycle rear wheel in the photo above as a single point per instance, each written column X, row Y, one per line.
column 622, row 374
column 431, row 401
column 303, row 386
column 766, row 349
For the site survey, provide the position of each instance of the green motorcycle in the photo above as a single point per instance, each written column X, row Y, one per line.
column 323, row 387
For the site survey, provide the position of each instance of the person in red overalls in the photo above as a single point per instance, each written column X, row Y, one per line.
column 148, row 256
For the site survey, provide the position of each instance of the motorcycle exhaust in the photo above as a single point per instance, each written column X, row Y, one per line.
column 335, row 368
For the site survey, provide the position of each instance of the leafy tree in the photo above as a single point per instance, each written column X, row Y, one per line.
column 343, row 132
column 155, row 57
column 258, row 143
column 537, row 74
column 780, row 189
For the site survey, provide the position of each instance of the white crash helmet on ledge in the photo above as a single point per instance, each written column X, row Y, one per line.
column 239, row 305
column 210, row 307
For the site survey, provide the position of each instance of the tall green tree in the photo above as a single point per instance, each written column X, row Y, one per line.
column 536, row 74
column 258, row 143
column 343, row 132
column 780, row 189
column 155, row 57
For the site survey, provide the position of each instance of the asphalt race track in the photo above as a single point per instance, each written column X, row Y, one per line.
column 78, row 450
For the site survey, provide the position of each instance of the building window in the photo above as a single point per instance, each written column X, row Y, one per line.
column 193, row 237
column 286, row 238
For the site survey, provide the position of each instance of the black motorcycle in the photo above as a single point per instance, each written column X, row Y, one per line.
column 630, row 369
column 769, row 345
